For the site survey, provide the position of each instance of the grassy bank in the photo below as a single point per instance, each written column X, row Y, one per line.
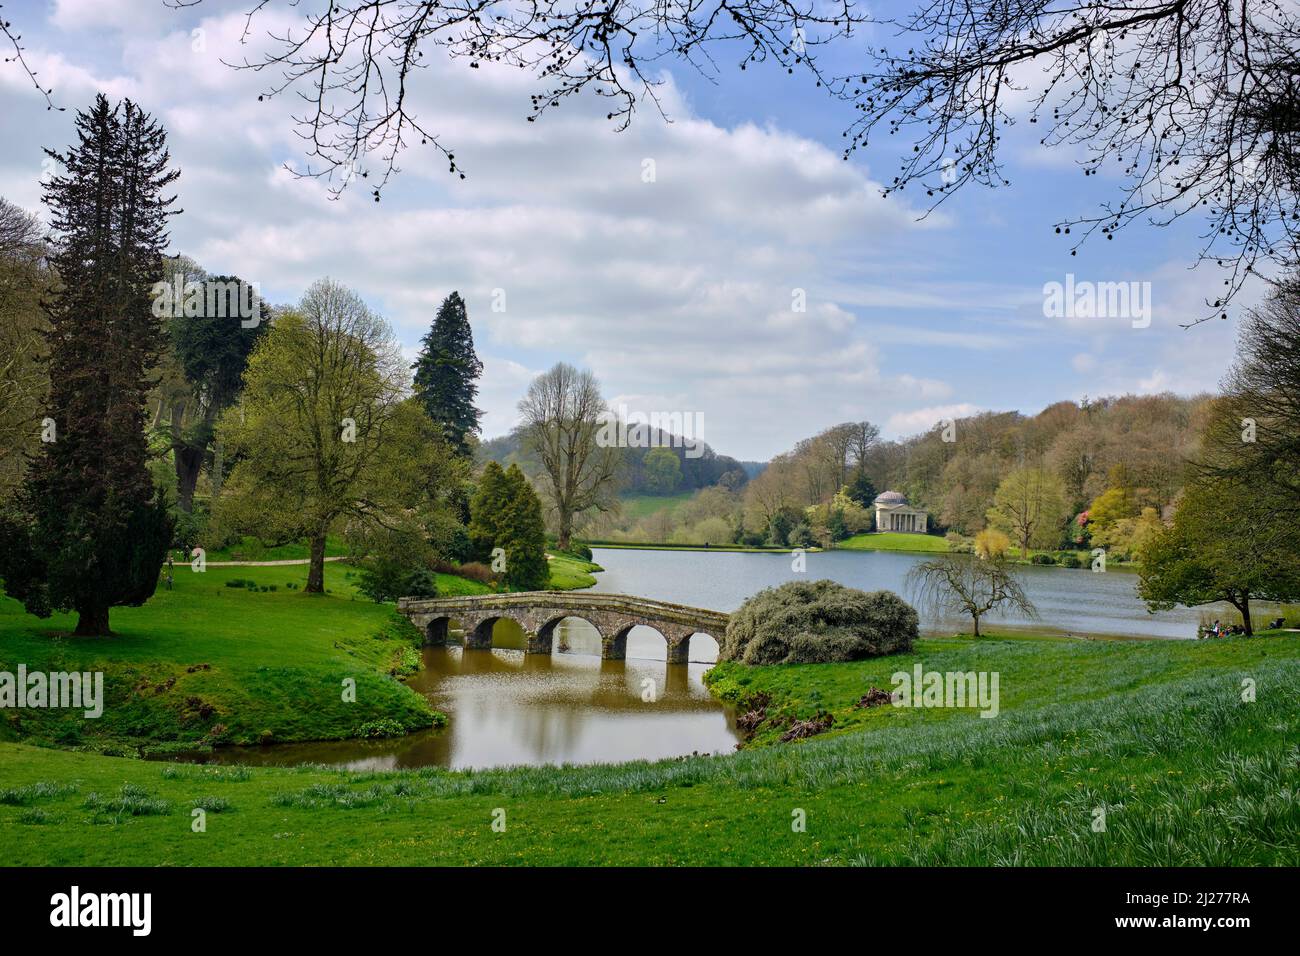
column 893, row 541
column 1033, row 671
column 237, row 656
column 1155, row 733
column 633, row 546
column 570, row 572
column 208, row 663
column 638, row 507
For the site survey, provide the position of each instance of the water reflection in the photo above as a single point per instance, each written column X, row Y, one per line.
column 1069, row 601
column 507, row 707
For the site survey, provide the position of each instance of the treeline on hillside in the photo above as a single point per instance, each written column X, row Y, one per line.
column 667, row 466
column 1139, row 444
column 1103, row 471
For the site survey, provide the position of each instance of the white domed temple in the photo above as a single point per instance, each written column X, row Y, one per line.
column 893, row 513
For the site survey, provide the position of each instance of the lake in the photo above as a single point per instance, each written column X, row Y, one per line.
column 508, row 708
column 1069, row 600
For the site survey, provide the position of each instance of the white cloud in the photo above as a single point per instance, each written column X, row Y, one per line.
column 677, row 290
column 902, row 424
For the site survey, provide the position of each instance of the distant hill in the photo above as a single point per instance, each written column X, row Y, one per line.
column 705, row 469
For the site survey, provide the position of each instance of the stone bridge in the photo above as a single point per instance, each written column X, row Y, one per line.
column 538, row 612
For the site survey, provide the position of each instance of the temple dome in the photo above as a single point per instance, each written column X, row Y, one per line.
column 891, row 498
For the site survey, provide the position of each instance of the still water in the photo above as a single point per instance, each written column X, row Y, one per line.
column 508, row 708
column 1069, row 601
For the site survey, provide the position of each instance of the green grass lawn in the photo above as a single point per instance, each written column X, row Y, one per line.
column 256, row 665
column 893, row 541
column 251, row 549
column 639, row 507
column 569, row 572
column 1155, row 733
column 616, row 545
column 205, row 663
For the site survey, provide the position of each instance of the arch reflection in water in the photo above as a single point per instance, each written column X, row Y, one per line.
column 507, row 707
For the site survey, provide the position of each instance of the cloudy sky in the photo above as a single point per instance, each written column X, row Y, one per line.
column 678, row 292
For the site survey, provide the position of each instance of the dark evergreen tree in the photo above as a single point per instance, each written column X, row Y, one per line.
column 523, row 535
column 90, row 532
column 861, row 490
column 487, row 510
column 446, row 374
column 212, row 349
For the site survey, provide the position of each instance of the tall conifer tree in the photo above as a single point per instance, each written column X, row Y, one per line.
column 90, row 532
column 447, row 371
column 523, row 535
column 487, row 510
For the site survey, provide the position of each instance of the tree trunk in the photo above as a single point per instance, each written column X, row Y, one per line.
column 218, row 473
column 189, row 461
column 566, row 531
column 1244, row 608
column 976, row 618
column 316, row 570
column 92, row 622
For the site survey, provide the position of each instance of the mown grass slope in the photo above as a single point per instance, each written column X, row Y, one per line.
column 1158, row 737
column 892, row 541
column 205, row 663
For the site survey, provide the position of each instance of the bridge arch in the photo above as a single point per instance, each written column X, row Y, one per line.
column 544, row 626
column 706, row 651
column 539, row 614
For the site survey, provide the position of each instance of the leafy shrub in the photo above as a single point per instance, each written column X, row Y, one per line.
column 580, row 550
column 380, row 727
column 477, row 571
column 387, row 580
column 237, row 583
column 959, row 544
column 1071, row 561
column 991, row 544
column 818, row 622
column 1043, row 559
column 187, row 530
column 801, row 536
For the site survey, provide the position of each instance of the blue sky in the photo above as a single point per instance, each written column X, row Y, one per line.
column 678, row 292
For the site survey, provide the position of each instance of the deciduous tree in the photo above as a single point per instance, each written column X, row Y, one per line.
column 1222, row 546
column 1029, row 505
column 561, row 421
column 968, row 584
column 322, row 435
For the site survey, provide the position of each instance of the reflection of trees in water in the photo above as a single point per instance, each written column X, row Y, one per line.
column 510, row 707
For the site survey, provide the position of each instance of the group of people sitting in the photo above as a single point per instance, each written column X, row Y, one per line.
column 1229, row 630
